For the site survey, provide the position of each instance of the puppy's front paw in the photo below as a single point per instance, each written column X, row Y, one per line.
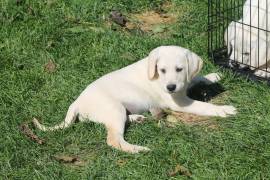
column 213, row 77
column 225, row 111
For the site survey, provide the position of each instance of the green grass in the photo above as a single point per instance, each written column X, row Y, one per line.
column 34, row 32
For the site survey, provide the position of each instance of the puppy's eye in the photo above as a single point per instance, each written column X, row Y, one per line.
column 179, row 69
column 163, row 71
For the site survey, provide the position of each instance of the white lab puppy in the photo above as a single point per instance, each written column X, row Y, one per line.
column 237, row 39
column 156, row 82
column 248, row 39
column 256, row 15
column 247, row 48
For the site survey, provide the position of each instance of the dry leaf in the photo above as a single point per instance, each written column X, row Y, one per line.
column 30, row 134
column 180, row 170
column 121, row 162
column 118, row 18
column 66, row 159
column 50, row 67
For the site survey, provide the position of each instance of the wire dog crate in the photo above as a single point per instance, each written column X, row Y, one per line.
column 239, row 36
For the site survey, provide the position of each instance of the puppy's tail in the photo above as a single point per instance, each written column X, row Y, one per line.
column 70, row 118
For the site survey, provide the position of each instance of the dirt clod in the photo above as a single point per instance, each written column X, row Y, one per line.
column 24, row 128
column 65, row 158
column 180, row 170
column 69, row 159
column 50, row 67
column 121, row 162
column 118, row 18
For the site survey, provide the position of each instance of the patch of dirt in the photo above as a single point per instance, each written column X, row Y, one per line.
column 150, row 20
column 156, row 22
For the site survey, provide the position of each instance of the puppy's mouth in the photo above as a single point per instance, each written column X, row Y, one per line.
column 174, row 91
column 171, row 92
column 177, row 90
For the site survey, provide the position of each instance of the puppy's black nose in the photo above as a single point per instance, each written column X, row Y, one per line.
column 171, row 87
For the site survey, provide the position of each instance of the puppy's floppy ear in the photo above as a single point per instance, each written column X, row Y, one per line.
column 194, row 65
column 152, row 64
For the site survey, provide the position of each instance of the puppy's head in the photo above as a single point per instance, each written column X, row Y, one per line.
column 173, row 67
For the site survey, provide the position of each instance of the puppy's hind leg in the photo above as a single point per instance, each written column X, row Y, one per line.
column 115, row 131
